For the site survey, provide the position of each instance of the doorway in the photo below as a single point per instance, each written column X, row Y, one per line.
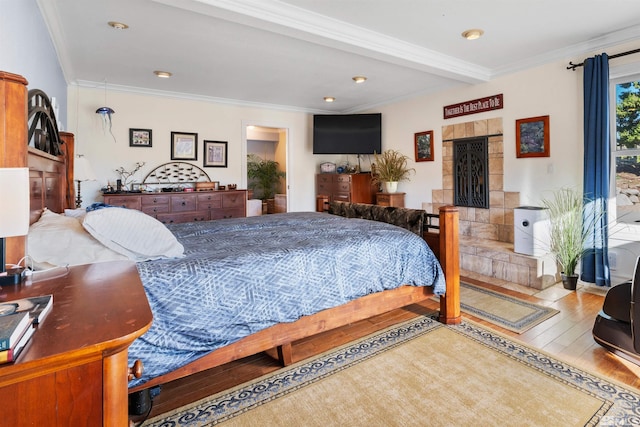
column 267, row 146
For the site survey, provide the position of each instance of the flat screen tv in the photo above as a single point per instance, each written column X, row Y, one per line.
column 347, row 133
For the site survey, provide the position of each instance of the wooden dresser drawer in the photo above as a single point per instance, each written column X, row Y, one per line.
column 234, row 200
column 183, row 203
column 324, row 188
column 325, row 178
column 342, row 178
column 150, row 200
column 176, row 218
column 343, row 187
column 131, row 202
column 209, row 201
column 342, row 197
column 153, row 210
column 228, row 213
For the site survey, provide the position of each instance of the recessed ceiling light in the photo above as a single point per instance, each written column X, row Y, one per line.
column 359, row 79
column 118, row 25
column 329, row 99
column 472, row 34
column 163, row 74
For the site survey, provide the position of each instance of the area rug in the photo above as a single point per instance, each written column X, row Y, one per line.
column 502, row 310
column 421, row 373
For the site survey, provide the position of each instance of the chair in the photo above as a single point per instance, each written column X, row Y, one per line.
column 617, row 326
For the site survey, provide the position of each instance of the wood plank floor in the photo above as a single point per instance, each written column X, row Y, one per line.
column 566, row 336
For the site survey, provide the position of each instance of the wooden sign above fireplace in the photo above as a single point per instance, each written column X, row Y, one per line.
column 475, row 106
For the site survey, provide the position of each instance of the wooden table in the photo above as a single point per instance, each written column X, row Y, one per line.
column 74, row 370
column 390, row 199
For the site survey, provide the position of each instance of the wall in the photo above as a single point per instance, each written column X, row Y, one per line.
column 163, row 115
column 26, row 49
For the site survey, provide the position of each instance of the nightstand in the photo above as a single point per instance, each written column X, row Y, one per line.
column 390, row 199
column 74, row 369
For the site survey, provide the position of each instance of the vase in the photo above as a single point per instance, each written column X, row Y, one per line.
column 390, row 186
column 569, row 282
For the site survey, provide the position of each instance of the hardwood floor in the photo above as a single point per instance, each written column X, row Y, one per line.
column 566, row 336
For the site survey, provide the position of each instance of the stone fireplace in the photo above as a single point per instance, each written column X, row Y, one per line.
column 496, row 221
column 486, row 233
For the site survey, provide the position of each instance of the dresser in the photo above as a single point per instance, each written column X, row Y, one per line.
column 339, row 187
column 73, row 371
column 173, row 208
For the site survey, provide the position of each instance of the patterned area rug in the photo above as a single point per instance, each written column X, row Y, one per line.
column 502, row 310
column 421, row 373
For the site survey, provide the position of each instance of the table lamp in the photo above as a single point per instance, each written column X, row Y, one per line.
column 14, row 214
column 82, row 171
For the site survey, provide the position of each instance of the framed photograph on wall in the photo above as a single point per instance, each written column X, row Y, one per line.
column 423, row 142
column 215, row 154
column 140, row 137
column 184, row 146
column 532, row 137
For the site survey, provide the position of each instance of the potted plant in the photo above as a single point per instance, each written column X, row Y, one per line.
column 264, row 177
column 568, row 234
column 389, row 168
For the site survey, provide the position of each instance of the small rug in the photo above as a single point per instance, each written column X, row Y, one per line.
column 502, row 310
column 420, row 373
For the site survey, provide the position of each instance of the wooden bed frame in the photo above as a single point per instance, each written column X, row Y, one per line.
column 52, row 187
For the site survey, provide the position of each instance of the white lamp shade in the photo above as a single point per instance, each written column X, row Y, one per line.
column 82, row 170
column 14, row 202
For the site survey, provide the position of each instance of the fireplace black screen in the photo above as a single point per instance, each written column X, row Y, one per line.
column 471, row 172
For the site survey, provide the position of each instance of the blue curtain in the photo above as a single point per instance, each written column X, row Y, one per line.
column 595, row 263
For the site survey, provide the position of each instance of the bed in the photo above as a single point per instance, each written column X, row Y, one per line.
column 422, row 276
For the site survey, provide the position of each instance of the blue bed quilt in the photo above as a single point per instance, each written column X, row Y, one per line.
column 242, row 275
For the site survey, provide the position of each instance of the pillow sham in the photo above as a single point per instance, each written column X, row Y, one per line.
column 60, row 240
column 132, row 233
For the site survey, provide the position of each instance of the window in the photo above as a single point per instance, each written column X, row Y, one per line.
column 626, row 148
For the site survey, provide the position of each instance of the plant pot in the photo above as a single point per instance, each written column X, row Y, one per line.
column 569, row 282
column 390, row 187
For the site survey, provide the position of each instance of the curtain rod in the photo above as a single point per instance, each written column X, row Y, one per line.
column 573, row 66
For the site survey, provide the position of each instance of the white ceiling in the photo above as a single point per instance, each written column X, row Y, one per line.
column 291, row 53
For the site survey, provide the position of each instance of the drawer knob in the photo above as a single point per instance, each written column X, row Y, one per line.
column 184, row 203
column 136, row 370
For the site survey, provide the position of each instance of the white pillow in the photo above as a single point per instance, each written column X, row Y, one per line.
column 132, row 233
column 60, row 240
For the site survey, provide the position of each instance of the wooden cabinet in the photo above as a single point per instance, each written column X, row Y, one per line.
column 173, row 208
column 354, row 188
column 390, row 199
column 73, row 371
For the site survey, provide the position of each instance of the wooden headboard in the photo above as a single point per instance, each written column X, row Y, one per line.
column 50, row 181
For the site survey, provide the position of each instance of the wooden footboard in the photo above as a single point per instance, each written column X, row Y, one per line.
column 282, row 335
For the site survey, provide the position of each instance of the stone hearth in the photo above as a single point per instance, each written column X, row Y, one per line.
column 486, row 235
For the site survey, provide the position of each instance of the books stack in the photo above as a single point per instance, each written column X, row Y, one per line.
column 18, row 320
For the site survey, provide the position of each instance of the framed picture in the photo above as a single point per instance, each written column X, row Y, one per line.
column 532, row 137
column 184, row 146
column 215, row 154
column 423, row 142
column 140, row 137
